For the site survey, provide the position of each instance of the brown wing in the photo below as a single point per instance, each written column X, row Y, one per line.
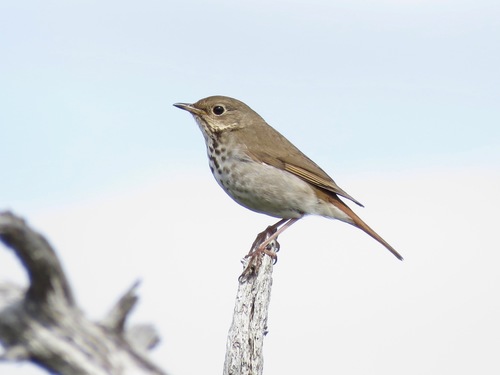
column 270, row 147
column 314, row 179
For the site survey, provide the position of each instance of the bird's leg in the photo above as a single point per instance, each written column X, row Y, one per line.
column 284, row 223
column 263, row 236
column 259, row 246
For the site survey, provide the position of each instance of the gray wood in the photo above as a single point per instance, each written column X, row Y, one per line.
column 44, row 325
column 244, row 347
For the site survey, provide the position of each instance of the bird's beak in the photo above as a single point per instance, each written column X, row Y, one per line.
column 189, row 108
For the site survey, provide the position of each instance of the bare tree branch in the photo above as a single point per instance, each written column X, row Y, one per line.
column 115, row 320
column 244, row 348
column 44, row 325
column 40, row 261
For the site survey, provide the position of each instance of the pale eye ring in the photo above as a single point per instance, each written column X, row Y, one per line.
column 218, row 110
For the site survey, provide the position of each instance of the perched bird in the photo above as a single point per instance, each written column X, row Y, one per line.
column 264, row 172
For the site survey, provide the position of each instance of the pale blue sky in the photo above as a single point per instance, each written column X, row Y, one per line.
column 87, row 87
column 397, row 100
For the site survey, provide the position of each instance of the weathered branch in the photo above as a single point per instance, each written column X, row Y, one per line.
column 245, row 340
column 38, row 258
column 43, row 324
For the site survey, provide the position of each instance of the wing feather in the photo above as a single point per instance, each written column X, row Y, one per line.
column 319, row 179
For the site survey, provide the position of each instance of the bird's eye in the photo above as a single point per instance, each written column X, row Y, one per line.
column 218, row 110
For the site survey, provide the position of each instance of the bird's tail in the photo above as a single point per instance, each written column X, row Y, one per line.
column 358, row 223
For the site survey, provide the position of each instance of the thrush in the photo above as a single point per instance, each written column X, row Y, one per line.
column 264, row 172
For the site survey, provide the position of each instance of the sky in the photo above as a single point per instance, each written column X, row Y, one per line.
column 396, row 100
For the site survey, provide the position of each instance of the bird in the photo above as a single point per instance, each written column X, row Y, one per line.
column 263, row 171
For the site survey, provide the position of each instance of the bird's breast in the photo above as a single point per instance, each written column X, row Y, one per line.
column 258, row 186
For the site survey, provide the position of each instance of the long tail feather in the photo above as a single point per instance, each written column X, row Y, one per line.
column 358, row 223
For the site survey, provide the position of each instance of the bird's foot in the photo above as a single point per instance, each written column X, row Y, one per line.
column 266, row 250
column 255, row 261
column 260, row 241
column 260, row 247
column 263, row 245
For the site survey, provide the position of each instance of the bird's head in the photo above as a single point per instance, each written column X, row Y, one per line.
column 218, row 114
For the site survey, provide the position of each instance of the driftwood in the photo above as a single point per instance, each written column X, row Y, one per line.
column 44, row 325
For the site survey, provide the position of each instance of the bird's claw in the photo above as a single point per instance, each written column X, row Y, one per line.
column 257, row 251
